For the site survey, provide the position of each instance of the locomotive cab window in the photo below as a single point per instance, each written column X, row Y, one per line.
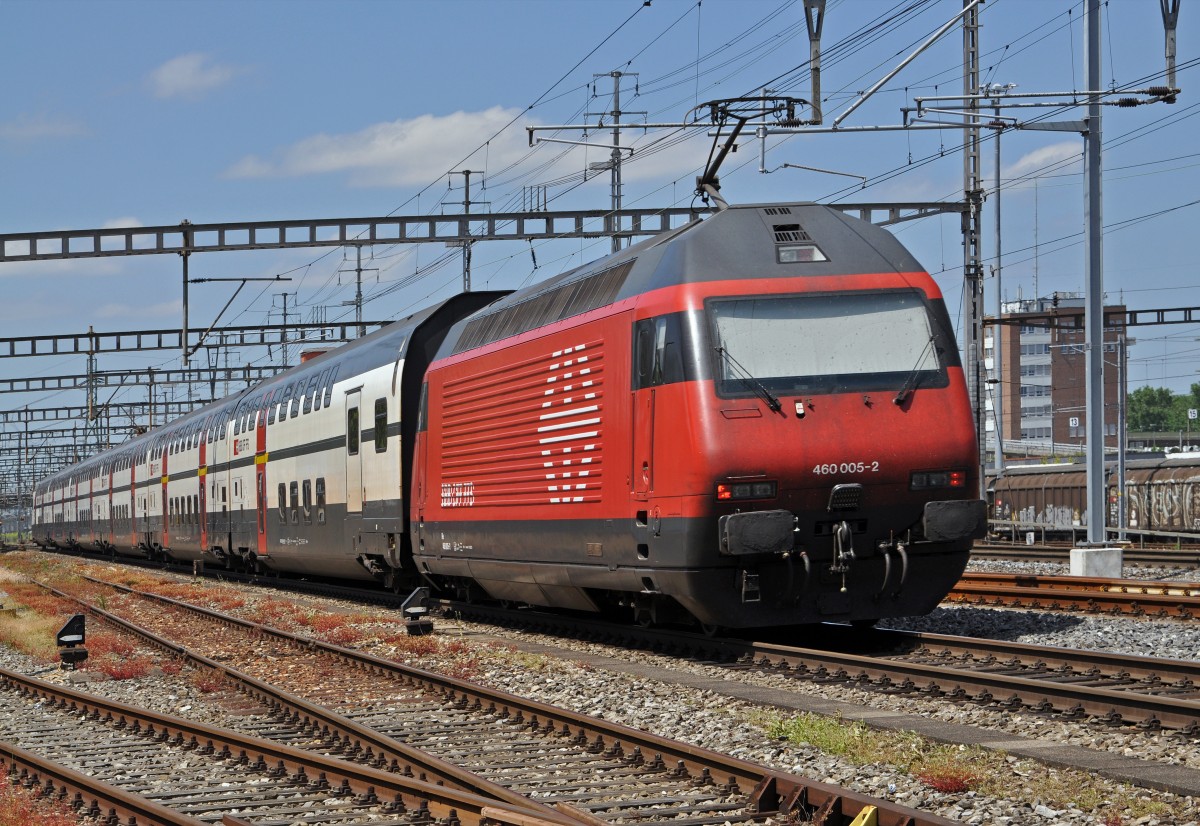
column 828, row 343
column 659, row 351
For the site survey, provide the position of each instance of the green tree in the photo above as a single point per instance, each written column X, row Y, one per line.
column 1152, row 408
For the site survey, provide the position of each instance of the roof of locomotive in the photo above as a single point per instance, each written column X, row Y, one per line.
column 736, row 243
column 740, row 242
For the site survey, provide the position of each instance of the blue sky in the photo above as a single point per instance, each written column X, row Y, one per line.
column 124, row 113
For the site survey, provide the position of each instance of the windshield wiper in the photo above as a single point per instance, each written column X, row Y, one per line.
column 743, row 375
column 910, row 383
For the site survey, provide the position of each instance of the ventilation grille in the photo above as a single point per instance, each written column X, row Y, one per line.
column 561, row 302
column 778, row 211
column 790, row 234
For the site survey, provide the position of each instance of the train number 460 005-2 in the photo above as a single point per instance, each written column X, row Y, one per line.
column 846, row 467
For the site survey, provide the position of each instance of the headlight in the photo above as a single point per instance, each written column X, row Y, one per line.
column 747, row 490
column 928, row 479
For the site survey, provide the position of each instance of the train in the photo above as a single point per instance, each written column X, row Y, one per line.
column 755, row 419
column 1162, row 498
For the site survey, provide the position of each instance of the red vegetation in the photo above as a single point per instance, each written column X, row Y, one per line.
column 19, row 805
column 949, row 779
column 209, row 682
column 342, row 635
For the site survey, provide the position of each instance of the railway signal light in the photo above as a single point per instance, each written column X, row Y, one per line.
column 70, row 639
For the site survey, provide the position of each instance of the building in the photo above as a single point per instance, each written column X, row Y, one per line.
column 1043, row 386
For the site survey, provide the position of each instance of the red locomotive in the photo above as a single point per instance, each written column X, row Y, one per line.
column 759, row 419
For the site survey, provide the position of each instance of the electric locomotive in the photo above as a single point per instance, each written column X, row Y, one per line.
column 758, row 419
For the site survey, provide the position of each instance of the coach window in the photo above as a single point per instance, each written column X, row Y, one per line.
column 282, row 503
column 381, row 436
column 294, row 490
column 352, row 431
column 320, row 500
column 333, row 371
column 285, row 398
column 196, row 507
column 321, row 384
column 308, row 394
column 306, row 501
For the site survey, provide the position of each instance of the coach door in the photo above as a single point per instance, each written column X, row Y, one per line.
column 354, row 491
column 260, row 476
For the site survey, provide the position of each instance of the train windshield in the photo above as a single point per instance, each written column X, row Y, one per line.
column 828, row 342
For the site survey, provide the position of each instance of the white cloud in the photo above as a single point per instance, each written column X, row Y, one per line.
column 412, row 151
column 189, row 76
column 29, row 270
column 37, row 127
column 397, row 153
column 1041, row 159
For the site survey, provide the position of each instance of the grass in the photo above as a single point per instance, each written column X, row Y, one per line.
column 958, row 769
column 33, row 628
column 31, row 634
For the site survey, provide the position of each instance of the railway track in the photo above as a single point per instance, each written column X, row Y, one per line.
column 1165, row 556
column 1004, row 673
column 1107, row 689
column 121, row 764
column 495, row 743
column 1093, row 595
